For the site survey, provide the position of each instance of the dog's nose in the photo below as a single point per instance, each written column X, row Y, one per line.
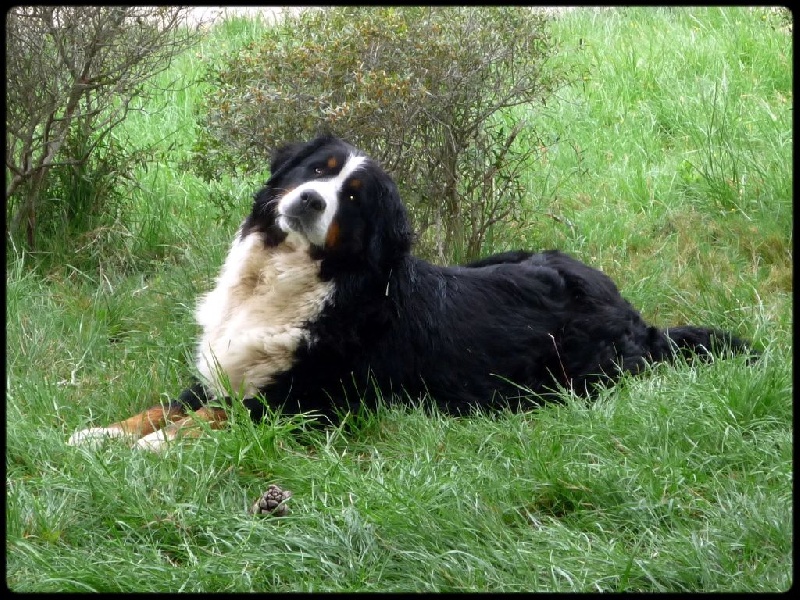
column 311, row 200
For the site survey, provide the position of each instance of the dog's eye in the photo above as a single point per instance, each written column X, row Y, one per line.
column 319, row 171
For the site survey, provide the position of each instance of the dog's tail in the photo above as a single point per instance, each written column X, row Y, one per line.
column 707, row 343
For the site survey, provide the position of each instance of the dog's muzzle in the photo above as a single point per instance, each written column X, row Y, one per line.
column 304, row 214
column 308, row 204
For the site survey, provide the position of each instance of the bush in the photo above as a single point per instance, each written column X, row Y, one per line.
column 425, row 90
column 71, row 74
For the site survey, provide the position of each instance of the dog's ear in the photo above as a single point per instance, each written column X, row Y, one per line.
column 289, row 154
column 396, row 235
column 283, row 154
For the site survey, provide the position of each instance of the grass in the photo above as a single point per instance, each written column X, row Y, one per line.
column 669, row 167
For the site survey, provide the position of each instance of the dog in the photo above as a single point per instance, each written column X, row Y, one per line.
column 320, row 307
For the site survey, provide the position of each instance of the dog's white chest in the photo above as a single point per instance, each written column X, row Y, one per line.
column 256, row 316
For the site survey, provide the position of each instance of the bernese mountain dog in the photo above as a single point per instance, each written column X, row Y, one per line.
column 321, row 308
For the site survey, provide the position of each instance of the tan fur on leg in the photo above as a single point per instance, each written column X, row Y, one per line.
column 145, row 423
column 185, row 427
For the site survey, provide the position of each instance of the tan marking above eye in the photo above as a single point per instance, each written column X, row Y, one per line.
column 353, row 185
column 333, row 162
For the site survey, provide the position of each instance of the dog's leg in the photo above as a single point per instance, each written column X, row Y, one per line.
column 186, row 427
column 147, row 422
column 135, row 427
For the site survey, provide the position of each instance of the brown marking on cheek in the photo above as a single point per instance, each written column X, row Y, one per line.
column 332, row 237
column 150, row 420
column 333, row 162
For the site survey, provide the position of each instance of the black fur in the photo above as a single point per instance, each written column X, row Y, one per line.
column 506, row 330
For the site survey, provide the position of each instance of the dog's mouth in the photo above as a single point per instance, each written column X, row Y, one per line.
column 289, row 224
column 306, row 214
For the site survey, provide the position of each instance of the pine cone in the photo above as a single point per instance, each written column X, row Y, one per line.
column 272, row 501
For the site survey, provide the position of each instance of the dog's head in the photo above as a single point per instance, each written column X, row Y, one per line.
column 339, row 200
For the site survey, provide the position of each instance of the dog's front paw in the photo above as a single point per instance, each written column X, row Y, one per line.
column 93, row 436
column 156, row 441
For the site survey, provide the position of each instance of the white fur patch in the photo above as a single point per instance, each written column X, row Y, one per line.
column 255, row 318
column 93, row 436
column 156, row 441
column 329, row 189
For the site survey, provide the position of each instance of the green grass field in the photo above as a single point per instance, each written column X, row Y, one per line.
column 669, row 167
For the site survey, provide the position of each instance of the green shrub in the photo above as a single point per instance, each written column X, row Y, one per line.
column 72, row 73
column 87, row 210
column 425, row 90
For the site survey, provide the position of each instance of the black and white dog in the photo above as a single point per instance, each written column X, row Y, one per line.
column 320, row 307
